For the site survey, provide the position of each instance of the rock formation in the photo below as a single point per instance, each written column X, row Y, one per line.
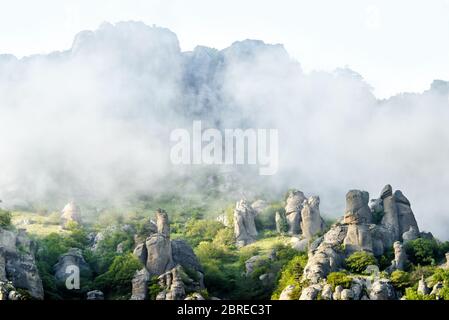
column 140, row 285
column 360, row 231
column 259, row 206
column 244, row 225
column 423, row 289
column 293, row 208
column 281, row 222
column 447, row 260
column 168, row 260
column 400, row 258
column 74, row 257
column 18, row 268
column 70, row 213
column 95, row 295
column 158, row 247
column 311, row 221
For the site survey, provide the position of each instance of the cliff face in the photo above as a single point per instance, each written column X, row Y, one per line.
column 18, row 266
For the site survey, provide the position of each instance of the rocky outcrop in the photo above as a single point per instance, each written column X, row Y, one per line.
column 18, row 263
column 359, row 231
column 423, row 289
column 176, row 284
column 140, row 285
column 95, row 295
column 286, row 293
column 398, row 217
column 158, row 247
column 70, row 213
column 382, row 289
column 400, row 257
column 170, row 260
column 410, row 235
column 281, row 222
column 73, row 258
column 293, row 208
column 311, row 221
column 447, row 260
column 244, row 225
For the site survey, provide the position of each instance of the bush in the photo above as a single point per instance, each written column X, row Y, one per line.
column 291, row 275
column 197, row 231
column 118, row 278
column 400, row 279
column 358, row 261
column 5, row 219
column 339, row 279
column 411, row 294
column 225, row 237
column 424, row 251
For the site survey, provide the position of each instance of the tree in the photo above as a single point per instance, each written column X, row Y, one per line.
column 358, row 261
column 423, row 251
column 5, row 219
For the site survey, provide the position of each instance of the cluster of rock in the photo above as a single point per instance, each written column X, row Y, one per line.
column 358, row 231
column 168, row 260
column 18, row 268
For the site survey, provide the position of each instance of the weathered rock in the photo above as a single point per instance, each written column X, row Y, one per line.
column 358, row 238
column 326, row 294
column 293, row 210
column 17, row 263
column 346, row 294
column 141, row 253
column 400, row 257
column 300, row 245
column 357, row 289
column 140, row 285
column 73, row 258
column 337, row 293
column 382, row 289
column 70, row 213
column 286, row 293
column 158, row 245
column 95, row 295
column 310, row 293
column 406, row 217
column 390, row 219
column 436, row 290
column 183, row 255
column 422, row 287
column 327, row 257
column 225, row 220
column 311, row 221
column 172, row 284
column 281, row 222
column 357, row 210
column 244, row 225
column 410, row 235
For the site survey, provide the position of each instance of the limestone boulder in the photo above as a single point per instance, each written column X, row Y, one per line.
column 244, row 224
column 311, row 221
column 293, row 208
column 70, row 213
column 140, row 285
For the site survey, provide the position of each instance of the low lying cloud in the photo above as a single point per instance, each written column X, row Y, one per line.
column 95, row 121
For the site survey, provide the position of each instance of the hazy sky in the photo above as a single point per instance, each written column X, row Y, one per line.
column 399, row 45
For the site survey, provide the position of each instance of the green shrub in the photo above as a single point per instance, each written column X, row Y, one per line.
column 291, row 275
column 197, row 231
column 411, row 294
column 339, row 279
column 225, row 237
column 358, row 261
column 424, row 251
column 117, row 279
column 5, row 219
column 400, row 279
column 154, row 288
